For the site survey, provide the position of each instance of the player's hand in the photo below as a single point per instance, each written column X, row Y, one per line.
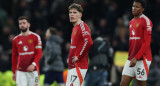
column 133, row 62
column 67, row 60
column 14, row 77
column 74, row 59
column 31, row 68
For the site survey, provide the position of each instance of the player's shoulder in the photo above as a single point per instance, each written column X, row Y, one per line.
column 35, row 35
column 83, row 26
column 16, row 37
column 145, row 19
column 131, row 20
column 83, row 23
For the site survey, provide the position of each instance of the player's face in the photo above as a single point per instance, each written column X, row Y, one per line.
column 24, row 25
column 137, row 8
column 48, row 34
column 74, row 15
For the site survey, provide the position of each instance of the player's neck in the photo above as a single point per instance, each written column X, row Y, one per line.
column 137, row 16
column 76, row 23
column 25, row 33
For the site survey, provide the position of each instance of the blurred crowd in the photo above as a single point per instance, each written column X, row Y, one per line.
column 106, row 18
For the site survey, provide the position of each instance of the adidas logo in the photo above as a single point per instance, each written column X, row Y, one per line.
column 140, row 77
column 20, row 42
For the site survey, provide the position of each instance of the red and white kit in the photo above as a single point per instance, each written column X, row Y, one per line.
column 26, row 50
column 139, row 47
column 81, row 42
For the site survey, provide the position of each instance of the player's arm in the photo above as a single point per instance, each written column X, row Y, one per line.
column 86, row 35
column 147, row 38
column 38, row 51
column 14, row 57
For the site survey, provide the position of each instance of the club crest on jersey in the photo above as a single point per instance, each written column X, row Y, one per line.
column 133, row 32
column 30, row 41
column 74, row 33
column 25, row 48
column 137, row 25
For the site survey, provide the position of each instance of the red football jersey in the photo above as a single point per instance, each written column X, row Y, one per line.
column 27, row 49
column 140, row 38
column 81, row 42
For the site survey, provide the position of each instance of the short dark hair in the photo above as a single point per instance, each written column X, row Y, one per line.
column 77, row 7
column 23, row 17
column 53, row 30
column 143, row 3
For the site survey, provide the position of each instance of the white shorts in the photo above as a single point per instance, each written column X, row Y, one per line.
column 137, row 71
column 72, row 77
column 27, row 78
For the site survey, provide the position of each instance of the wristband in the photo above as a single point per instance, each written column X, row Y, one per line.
column 34, row 63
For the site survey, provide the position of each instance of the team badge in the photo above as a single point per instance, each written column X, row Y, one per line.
column 74, row 33
column 137, row 25
column 30, row 41
column 25, row 48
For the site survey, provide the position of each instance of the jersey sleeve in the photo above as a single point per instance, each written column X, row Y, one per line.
column 38, row 51
column 86, row 36
column 14, row 56
column 148, row 27
column 147, row 38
